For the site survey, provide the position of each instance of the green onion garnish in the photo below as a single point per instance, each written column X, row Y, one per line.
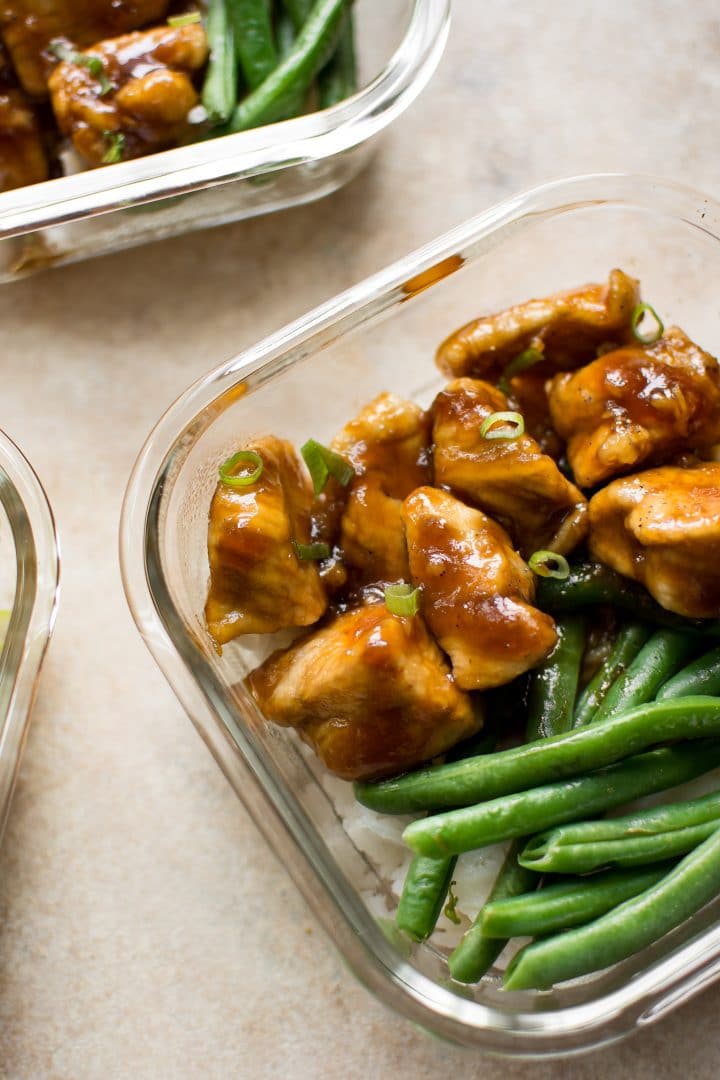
column 187, row 19
column 402, row 599
column 62, row 51
column 116, row 145
column 244, row 479
column 524, row 360
column 322, row 462
column 638, row 316
column 512, row 426
column 316, row 550
column 549, row 564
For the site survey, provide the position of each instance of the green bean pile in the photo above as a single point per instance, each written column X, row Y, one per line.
column 590, row 890
column 266, row 58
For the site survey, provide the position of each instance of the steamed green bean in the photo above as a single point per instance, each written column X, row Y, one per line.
column 574, row 753
column 571, row 903
column 423, row 895
column 628, row 643
column 702, row 676
column 630, row 927
column 553, row 684
column 665, row 653
column 639, row 837
column 519, row 814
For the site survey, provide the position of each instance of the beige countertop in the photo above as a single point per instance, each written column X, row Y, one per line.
column 145, row 930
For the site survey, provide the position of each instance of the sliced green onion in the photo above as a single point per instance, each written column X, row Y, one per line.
column 187, row 19
column 322, row 462
column 549, row 564
column 524, row 360
column 243, row 457
column 402, row 599
column 62, row 51
column 512, row 426
column 638, row 316
column 97, row 69
column 116, row 145
column 316, row 550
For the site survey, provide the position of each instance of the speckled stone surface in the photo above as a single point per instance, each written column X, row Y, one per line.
column 145, row 930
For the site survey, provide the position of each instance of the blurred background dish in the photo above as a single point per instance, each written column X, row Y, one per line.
column 28, row 596
column 399, row 44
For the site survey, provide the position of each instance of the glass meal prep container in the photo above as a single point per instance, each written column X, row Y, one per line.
column 399, row 45
column 28, row 597
column 307, row 381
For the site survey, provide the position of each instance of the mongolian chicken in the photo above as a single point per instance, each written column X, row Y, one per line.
column 477, row 590
column 662, row 528
column 509, row 478
column 370, row 692
column 413, row 562
column 108, row 80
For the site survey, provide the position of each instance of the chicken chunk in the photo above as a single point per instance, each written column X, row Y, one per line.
column 637, row 405
column 22, row 155
column 388, row 446
column 28, row 26
column 258, row 584
column 145, row 103
column 565, row 329
column 476, row 591
column 662, row 528
column 509, row 478
column 370, row 692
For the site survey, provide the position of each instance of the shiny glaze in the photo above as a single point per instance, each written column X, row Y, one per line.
column 153, row 93
column 476, row 591
column 369, row 691
column 512, row 479
column 635, row 405
column 28, row 26
column 662, row 528
column 257, row 582
column 388, row 445
column 566, row 328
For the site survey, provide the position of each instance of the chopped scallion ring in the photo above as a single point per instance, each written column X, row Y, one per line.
column 524, row 360
column 62, row 51
column 549, row 564
column 638, row 316
column 184, row 20
column 116, row 145
column 502, row 425
column 322, row 462
column 402, row 599
column 243, row 457
column 316, row 550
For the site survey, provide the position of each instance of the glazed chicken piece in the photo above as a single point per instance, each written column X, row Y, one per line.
column 143, row 99
column 476, row 591
column 388, row 446
column 637, row 405
column 28, row 26
column 370, row 692
column 509, row 478
column 22, row 155
column 566, row 329
column 662, row 528
column 258, row 584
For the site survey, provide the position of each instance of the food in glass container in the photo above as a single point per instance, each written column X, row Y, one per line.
column 121, row 80
column 594, row 738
